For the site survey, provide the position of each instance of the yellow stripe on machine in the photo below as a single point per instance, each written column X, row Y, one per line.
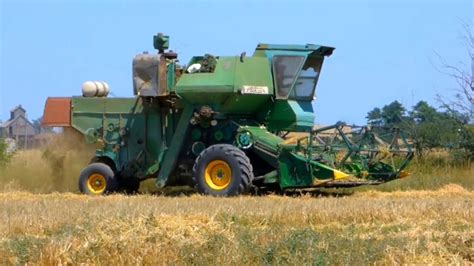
column 403, row 174
column 339, row 175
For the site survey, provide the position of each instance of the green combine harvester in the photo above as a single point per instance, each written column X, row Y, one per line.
column 225, row 125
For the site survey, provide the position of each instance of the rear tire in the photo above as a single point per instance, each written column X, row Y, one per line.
column 223, row 170
column 97, row 179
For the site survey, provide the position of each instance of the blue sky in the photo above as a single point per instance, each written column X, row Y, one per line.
column 385, row 50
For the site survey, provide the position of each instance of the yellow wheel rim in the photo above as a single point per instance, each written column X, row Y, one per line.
column 96, row 183
column 218, row 175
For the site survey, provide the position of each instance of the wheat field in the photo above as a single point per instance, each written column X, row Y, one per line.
column 425, row 218
column 364, row 228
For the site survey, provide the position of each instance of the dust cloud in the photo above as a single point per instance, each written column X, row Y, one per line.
column 52, row 167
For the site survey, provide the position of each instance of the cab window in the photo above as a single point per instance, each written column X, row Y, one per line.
column 285, row 69
column 307, row 79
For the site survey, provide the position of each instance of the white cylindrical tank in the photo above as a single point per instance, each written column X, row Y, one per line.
column 95, row 89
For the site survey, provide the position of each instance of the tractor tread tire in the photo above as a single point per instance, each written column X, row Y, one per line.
column 221, row 151
column 100, row 168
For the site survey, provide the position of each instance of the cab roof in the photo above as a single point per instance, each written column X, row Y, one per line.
column 318, row 49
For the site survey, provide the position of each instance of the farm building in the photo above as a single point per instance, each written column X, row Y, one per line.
column 19, row 128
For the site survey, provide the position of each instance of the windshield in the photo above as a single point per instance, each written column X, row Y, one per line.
column 285, row 69
column 306, row 82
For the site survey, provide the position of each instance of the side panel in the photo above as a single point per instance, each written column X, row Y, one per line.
column 57, row 112
column 127, row 130
column 235, row 87
column 289, row 115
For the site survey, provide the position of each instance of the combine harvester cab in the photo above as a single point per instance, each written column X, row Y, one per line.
column 224, row 124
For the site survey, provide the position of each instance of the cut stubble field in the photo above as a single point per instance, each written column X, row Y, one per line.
column 364, row 228
column 425, row 218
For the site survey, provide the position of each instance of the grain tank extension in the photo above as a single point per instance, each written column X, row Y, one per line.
column 226, row 125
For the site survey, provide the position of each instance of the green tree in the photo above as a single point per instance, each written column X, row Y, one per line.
column 427, row 126
column 4, row 157
column 374, row 117
column 422, row 112
column 442, row 132
column 393, row 114
column 467, row 141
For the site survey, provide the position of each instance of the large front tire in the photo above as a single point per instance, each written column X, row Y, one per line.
column 223, row 170
column 97, row 179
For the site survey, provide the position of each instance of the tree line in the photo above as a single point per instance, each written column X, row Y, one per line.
column 428, row 127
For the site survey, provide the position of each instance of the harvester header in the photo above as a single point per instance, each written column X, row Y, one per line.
column 225, row 125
